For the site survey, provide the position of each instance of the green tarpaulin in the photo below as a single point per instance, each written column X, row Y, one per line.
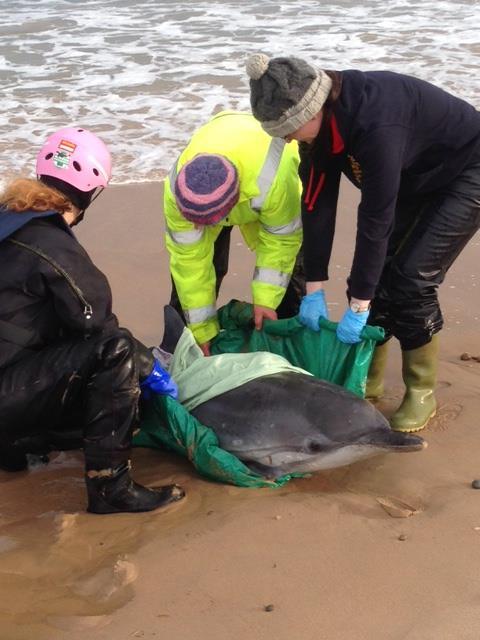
column 320, row 353
column 167, row 423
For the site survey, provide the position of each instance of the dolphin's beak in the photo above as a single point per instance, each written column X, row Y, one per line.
column 404, row 442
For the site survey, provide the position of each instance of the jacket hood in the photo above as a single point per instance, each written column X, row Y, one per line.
column 11, row 221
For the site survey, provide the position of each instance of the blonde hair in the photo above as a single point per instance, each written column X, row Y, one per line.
column 26, row 194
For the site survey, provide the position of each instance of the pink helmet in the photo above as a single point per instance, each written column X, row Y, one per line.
column 76, row 156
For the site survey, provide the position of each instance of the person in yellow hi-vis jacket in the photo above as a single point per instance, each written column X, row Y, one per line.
column 233, row 173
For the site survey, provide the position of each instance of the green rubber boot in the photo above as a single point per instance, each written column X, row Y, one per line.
column 376, row 373
column 419, row 372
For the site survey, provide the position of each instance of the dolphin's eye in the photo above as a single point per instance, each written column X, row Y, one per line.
column 314, row 446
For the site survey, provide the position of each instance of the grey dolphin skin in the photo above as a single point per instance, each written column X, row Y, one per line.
column 291, row 422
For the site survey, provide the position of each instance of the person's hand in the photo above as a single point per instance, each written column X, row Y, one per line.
column 159, row 381
column 261, row 313
column 205, row 347
column 312, row 308
column 350, row 326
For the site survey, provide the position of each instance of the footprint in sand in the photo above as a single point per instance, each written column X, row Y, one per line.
column 108, row 581
column 446, row 414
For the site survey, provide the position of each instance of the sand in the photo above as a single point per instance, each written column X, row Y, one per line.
column 319, row 559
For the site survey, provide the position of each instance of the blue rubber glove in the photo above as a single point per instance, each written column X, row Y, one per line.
column 312, row 308
column 159, row 381
column 350, row 326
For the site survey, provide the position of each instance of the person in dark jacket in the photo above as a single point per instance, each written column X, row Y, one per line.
column 65, row 364
column 413, row 150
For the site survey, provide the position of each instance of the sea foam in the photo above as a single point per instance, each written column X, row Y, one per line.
column 144, row 74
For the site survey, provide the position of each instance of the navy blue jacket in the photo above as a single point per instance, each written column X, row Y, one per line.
column 394, row 137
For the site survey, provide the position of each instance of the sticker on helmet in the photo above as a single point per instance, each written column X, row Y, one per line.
column 66, row 145
column 61, row 160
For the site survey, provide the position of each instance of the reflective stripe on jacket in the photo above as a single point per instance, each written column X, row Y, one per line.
column 267, row 213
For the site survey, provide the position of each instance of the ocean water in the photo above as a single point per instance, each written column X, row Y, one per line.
column 144, row 74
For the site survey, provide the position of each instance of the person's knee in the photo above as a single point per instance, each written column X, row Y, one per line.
column 410, row 283
column 118, row 346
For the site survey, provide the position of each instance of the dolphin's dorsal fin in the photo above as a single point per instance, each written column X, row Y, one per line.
column 174, row 326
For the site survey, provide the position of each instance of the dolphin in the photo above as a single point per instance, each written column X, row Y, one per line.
column 291, row 422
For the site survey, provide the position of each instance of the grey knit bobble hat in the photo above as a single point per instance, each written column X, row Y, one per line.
column 285, row 93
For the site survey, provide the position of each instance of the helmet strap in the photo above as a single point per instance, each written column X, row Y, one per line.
column 96, row 193
column 79, row 218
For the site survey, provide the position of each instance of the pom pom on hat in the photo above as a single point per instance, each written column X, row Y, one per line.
column 207, row 188
column 257, row 65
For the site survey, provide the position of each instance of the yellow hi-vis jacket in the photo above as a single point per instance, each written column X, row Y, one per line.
column 268, row 214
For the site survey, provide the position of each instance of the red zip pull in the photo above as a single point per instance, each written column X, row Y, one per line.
column 309, row 188
column 316, row 193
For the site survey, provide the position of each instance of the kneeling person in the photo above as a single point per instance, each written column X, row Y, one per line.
column 64, row 361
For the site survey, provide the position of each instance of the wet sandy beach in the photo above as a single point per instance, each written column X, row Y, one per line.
column 322, row 554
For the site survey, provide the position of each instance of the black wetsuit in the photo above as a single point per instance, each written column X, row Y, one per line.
column 65, row 365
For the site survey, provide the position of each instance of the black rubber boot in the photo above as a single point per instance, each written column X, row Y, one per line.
column 118, row 493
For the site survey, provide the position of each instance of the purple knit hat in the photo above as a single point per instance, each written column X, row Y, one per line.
column 207, row 188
